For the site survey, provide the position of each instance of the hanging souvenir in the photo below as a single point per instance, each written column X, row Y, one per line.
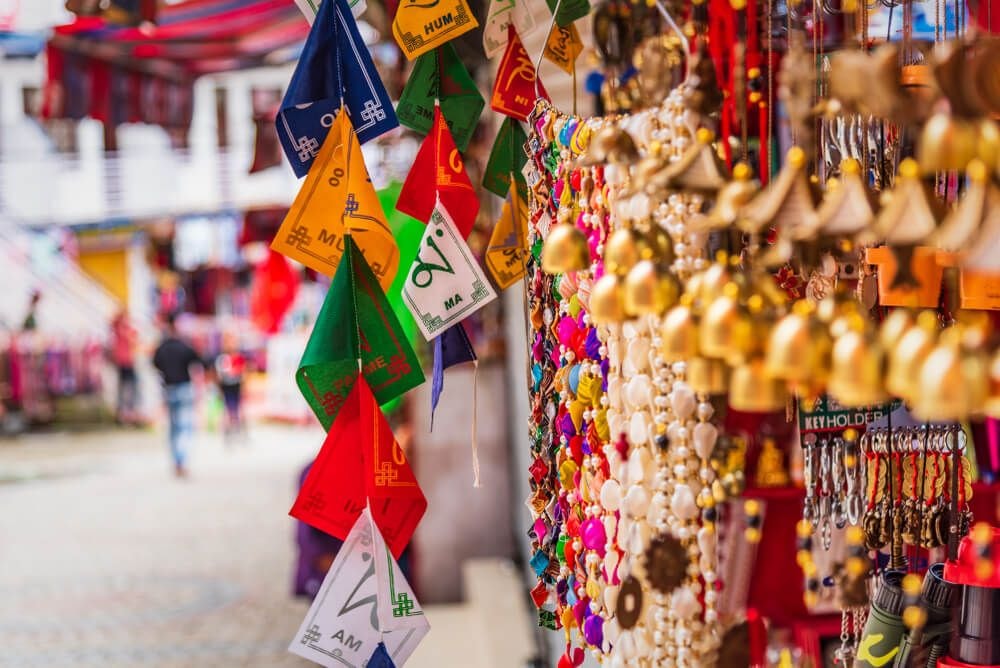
column 501, row 14
column 438, row 172
column 506, row 254
column 337, row 198
column 365, row 612
column 517, row 85
column 445, row 283
column 334, row 72
column 361, row 465
column 356, row 328
column 506, row 158
column 420, row 27
column 440, row 75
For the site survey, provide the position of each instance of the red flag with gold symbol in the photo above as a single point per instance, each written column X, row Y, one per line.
column 361, row 463
column 514, row 92
column 438, row 172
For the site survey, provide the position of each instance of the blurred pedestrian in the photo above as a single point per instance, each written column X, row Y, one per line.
column 123, row 344
column 230, row 366
column 174, row 358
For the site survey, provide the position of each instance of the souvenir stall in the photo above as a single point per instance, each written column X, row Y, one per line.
column 758, row 286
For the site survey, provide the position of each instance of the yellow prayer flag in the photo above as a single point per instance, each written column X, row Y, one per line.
column 506, row 254
column 422, row 25
column 337, row 196
column 564, row 46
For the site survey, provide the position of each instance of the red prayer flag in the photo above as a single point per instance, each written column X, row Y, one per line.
column 361, row 462
column 438, row 171
column 514, row 91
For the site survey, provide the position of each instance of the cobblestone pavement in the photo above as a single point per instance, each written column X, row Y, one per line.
column 107, row 560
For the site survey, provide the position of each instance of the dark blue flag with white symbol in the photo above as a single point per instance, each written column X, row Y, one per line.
column 451, row 347
column 380, row 659
column 335, row 68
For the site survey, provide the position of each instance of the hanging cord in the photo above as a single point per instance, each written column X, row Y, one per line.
column 541, row 54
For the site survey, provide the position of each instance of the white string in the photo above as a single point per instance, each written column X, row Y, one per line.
column 538, row 61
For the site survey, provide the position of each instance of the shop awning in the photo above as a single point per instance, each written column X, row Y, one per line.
column 120, row 74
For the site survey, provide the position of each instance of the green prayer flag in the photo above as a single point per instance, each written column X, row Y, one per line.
column 569, row 10
column 507, row 157
column 355, row 323
column 461, row 102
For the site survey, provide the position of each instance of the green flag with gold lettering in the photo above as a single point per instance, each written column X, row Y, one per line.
column 356, row 328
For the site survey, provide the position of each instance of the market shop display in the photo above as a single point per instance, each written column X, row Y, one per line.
column 763, row 376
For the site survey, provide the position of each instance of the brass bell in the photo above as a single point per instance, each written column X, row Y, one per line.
column 732, row 198
column 649, row 290
column 707, row 376
column 798, row 350
column 725, row 326
column 607, row 303
column 621, row 251
column 893, row 328
column 946, row 143
column 565, row 250
column 752, row 390
column 857, row 370
column 952, row 383
column 909, row 354
column 679, row 333
column 712, row 281
column 988, row 145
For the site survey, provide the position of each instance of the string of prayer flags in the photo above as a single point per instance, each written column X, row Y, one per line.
column 563, row 47
column 337, row 198
column 311, row 7
column 420, row 26
column 461, row 102
column 365, row 613
column 506, row 254
column 501, row 14
column 569, row 10
column 514, row 92
column 355, row 323
column 506, row 157
column 359, row 465
column 334, row 72
column 438, row 172
column 445, row 284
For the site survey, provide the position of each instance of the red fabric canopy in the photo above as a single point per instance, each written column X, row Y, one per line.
column 120, row 74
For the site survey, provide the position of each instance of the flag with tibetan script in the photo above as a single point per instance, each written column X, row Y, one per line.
column 514, row 92
column 337, row 198
column 451, row 347
column 361, row 464
column 506, row 254
column 461, row 102
column 420, row 26
column 355, row 323
column 501, row 14
column 311, row 7
column 438, row 172
column 365, row 612
column 506, row 158
column 568, row 10
column 563, row 47
column 445, row 283
column 334, row 72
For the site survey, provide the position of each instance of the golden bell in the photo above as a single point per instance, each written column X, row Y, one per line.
column 909, row 354
column 946, row 143
column 649, row 290
column 706, row 376
column 621, row 251
column 725, row 326
column 857, row 370
column 565, row 250
column 988, row 146
column 952, row 383
column 752, row 390
column 607, row 304
column 798, row 350
column 679, row 334
column 712, row 281
column 893, row 327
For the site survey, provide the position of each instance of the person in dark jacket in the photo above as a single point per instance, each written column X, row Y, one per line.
column 174, row 358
